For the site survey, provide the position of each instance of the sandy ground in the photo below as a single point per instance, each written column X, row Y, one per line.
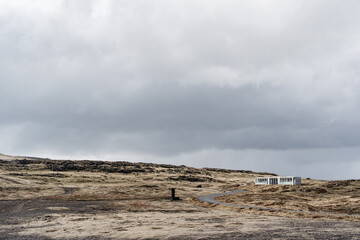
column 87, row 201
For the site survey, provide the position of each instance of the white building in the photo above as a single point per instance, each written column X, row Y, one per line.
column 278, row 181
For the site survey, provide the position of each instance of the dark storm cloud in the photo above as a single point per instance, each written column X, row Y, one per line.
column 167, row 78
column 174, row 119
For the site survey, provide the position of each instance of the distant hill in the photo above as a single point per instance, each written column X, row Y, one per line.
column 28, row 163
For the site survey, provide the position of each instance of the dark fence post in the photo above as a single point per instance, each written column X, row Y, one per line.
column 172, row 193
column 173, row 198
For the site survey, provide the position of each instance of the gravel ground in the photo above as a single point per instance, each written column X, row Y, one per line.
column 14, row 213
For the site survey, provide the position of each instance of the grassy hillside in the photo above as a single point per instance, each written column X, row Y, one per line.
column 83, row 198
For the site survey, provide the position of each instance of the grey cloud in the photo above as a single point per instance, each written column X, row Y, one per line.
column 330, row 164
column 167, row 78
column 174, row 119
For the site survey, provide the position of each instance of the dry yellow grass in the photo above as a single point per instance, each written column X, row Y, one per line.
column 338, row 197
column 126, row 200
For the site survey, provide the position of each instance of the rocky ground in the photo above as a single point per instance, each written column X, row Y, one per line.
column 52, row 199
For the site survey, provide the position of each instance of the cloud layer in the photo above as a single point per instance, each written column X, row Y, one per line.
column 167, row 79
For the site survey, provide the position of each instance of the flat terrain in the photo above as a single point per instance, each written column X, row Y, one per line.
column 53, row 199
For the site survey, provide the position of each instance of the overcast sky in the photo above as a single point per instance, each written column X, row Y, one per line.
column 260, row 85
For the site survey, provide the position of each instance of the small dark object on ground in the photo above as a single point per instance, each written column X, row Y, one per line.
column 173, row 198
column 199, row 186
